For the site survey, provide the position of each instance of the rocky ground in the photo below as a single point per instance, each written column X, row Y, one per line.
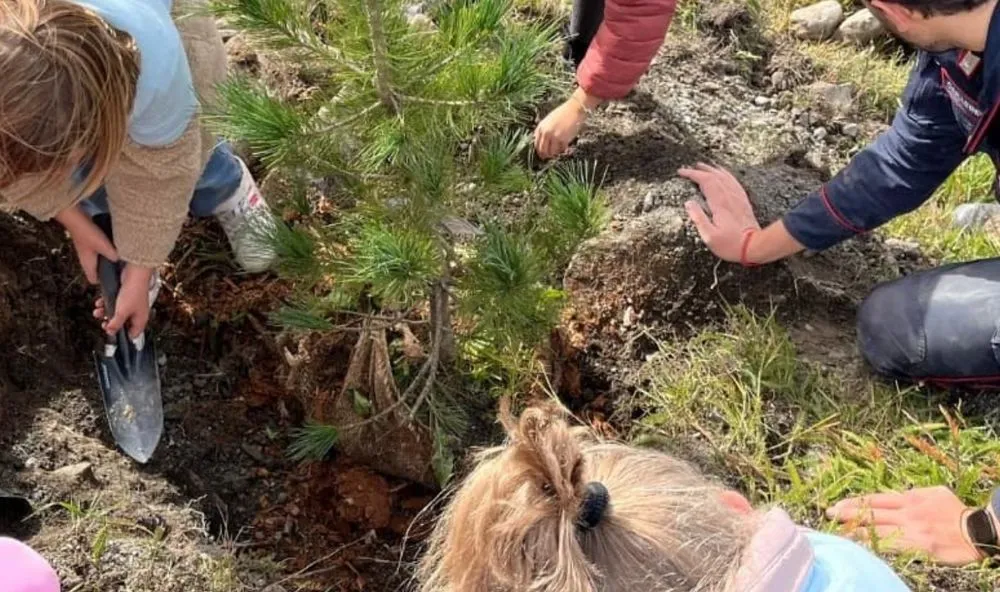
column 648, row 277
column 220, row 507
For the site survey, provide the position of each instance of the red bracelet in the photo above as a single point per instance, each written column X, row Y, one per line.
column 747, row 235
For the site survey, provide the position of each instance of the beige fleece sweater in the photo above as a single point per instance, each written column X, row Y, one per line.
column 150, row 189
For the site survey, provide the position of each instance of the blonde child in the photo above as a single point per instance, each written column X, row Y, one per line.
column 99, row 113
column 555, row 510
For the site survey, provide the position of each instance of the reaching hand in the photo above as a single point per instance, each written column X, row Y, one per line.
column 89, row 241
column 560, row 127
column 732, row 214
column 132, row 306
column 925, row 520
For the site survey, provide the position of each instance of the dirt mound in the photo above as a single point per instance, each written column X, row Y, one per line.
column 648, row 276
column 35, row 303
column 652, row 270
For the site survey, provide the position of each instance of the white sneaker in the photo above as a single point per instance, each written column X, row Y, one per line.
column 248, row 223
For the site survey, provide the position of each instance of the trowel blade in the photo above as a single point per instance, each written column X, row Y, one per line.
column 130, row 386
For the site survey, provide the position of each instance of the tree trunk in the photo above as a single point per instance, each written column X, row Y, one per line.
column 380, row 56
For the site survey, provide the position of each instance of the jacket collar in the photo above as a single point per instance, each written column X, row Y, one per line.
column 779, row 558
column 990, row 96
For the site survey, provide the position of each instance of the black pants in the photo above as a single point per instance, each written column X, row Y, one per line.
column 586, row 18
column 940, row 326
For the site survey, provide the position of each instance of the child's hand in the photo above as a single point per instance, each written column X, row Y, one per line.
column 132, row 306
column 560, row 127
column 89, row 241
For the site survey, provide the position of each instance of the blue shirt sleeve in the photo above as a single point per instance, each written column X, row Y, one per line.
column 165, row 99
column 844, row 566
column 900, row 171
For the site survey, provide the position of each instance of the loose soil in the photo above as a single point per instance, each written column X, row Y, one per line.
column 220, row 507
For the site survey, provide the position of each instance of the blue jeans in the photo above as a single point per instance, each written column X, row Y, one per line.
column 219, row 181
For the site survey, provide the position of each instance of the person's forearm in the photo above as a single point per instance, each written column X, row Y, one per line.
column 770, row 244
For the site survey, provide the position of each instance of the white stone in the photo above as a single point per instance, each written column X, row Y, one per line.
column 860, row 28
column 837, row 99
column 818, row 21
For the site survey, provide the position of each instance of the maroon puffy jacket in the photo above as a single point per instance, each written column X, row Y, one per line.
column 625, row 44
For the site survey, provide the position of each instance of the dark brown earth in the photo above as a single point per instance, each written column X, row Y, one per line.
column 220, row 488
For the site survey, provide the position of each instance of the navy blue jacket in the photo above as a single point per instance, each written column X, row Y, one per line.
column 949, row 112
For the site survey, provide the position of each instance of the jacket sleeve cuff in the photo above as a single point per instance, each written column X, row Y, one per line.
column 816, row 223
column 137, row 245
column 149, row 193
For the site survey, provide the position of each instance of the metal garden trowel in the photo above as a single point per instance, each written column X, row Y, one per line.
column 127, row 372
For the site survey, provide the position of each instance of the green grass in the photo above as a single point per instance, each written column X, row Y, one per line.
column 879, row 80
column 931, row 225
column 789, row 432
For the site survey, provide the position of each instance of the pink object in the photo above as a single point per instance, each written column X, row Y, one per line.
column 625, row 44
column 24, row 570
column 778, row 558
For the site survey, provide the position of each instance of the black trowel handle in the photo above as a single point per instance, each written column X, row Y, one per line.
column 108, row 272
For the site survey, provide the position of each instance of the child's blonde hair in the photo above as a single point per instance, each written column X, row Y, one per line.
column 513, row 525
column 67, row 84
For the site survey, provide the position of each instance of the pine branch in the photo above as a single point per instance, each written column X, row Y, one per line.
column 438, row 102
column 281, row 24
column 342, row 124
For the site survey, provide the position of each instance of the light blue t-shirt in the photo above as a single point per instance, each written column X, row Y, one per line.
column 844, row 566
column 165, row 99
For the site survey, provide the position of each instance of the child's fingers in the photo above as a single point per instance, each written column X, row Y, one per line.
column 105, row 248
column 115, row 324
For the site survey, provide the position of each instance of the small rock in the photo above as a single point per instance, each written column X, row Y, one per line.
column 975, row 215
column 31, row 463
column 460, row 229
column 820, row 133
column 910, row 248
column 779, row 80
column 200, row 382
column 78, row 473
column 162, row 360
column 254, row 452
column 851, row 130
column 228, row 34
column 817, row 22
column 835, row 98
column 629, row 318
column 762, row 101
column 860, row 28
column 815, row 160
column 421, row 21
column 649, row 202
